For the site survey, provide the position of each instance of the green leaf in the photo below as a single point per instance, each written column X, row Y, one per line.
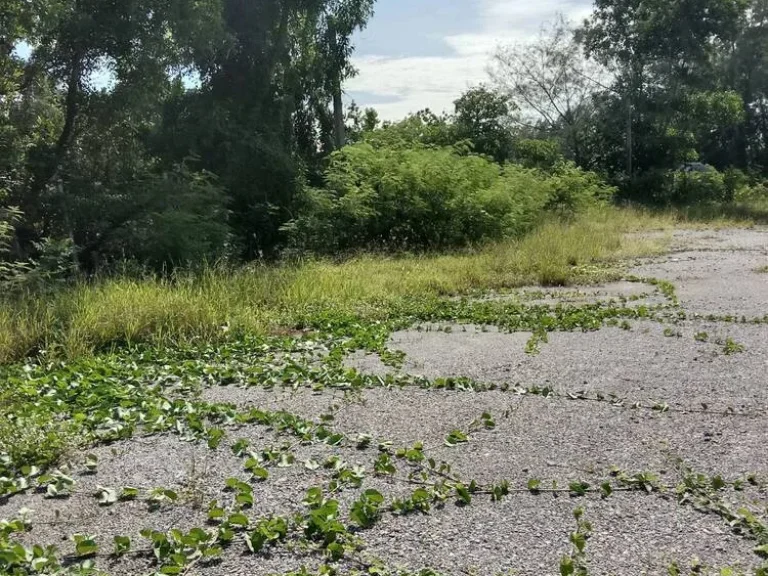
column 578, row 488
column 534, row 484
column 374, row 496
column 129, row 493
column 259, row 474
column 216, row 512
column 566, row 566
column 122, row 545
column 245, row 499
column 239, row 447
column 579, row 540
column 239, row 520
column 334, row 439
column 255, row 541
column 718, row 483
column 85, row 545
column 456, row 437
column 215, row 436
column 464, row 496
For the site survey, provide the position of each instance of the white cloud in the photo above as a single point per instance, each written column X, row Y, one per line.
column 410, row 83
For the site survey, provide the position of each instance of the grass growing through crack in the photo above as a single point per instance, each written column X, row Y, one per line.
column 219, row 303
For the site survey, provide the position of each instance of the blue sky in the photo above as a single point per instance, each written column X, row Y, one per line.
column 423, row 53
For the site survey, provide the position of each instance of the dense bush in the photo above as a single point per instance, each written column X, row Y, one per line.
column 678, row 188
column 543, row 154
column 426, row 198
column 178, row 218
column 696, row 187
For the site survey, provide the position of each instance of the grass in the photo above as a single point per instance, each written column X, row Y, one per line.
column 714, row 216
column 218, row 303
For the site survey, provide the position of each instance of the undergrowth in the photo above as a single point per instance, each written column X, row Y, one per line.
column 219, row 303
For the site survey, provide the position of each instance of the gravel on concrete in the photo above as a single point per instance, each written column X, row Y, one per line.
column 640, row 364
column 527, row 535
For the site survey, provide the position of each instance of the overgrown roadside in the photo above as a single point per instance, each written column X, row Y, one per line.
column 265, row 454
column 220, row 304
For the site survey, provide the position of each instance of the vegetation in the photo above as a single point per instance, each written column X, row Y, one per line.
column 195, row 131
column 186, row 203
column 222, row 303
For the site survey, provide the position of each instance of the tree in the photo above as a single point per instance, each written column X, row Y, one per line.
column 747, row 68
column 263, row 116
column 665, row 58
column 552, row 84
column 342, row 18
column 482, row 115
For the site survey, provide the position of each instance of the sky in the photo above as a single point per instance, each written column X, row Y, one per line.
column 418, row 54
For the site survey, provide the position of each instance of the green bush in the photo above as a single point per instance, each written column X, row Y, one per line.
column 535, row 153
column 179, row 218
column 698, row 187
column 679, row 188
column 429, row 198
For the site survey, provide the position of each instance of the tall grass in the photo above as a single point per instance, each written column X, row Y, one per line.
column 216, row 303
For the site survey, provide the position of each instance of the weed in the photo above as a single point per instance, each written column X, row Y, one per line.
column 575, row 563
column 732, row 347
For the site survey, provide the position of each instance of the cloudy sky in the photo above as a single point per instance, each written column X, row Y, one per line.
column 423, row 53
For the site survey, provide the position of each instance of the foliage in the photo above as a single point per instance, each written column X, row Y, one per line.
column 417, row 198
column 482, row 117
column 114, row 98
column 10, row 271
column 688, row 188
column 537, row 153
column 423, row 128
column 218, row 303
column 551, row 83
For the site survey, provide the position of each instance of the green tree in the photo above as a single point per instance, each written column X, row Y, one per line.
column 666, row 59
column 482, row 115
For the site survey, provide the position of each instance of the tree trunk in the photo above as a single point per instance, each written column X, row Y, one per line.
column 70, row 117
column 339, row 130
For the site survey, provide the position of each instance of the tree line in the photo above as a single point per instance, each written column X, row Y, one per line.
column 165, row 132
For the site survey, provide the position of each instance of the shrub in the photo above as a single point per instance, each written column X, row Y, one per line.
column 179, row 218
column 427, row 198
column 535, row 153
column 698, row 187
column 677, row 187
column 10, row 270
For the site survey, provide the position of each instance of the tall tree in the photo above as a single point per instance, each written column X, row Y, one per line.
column 483, row 115
column 664, row 55
column 552, row 84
